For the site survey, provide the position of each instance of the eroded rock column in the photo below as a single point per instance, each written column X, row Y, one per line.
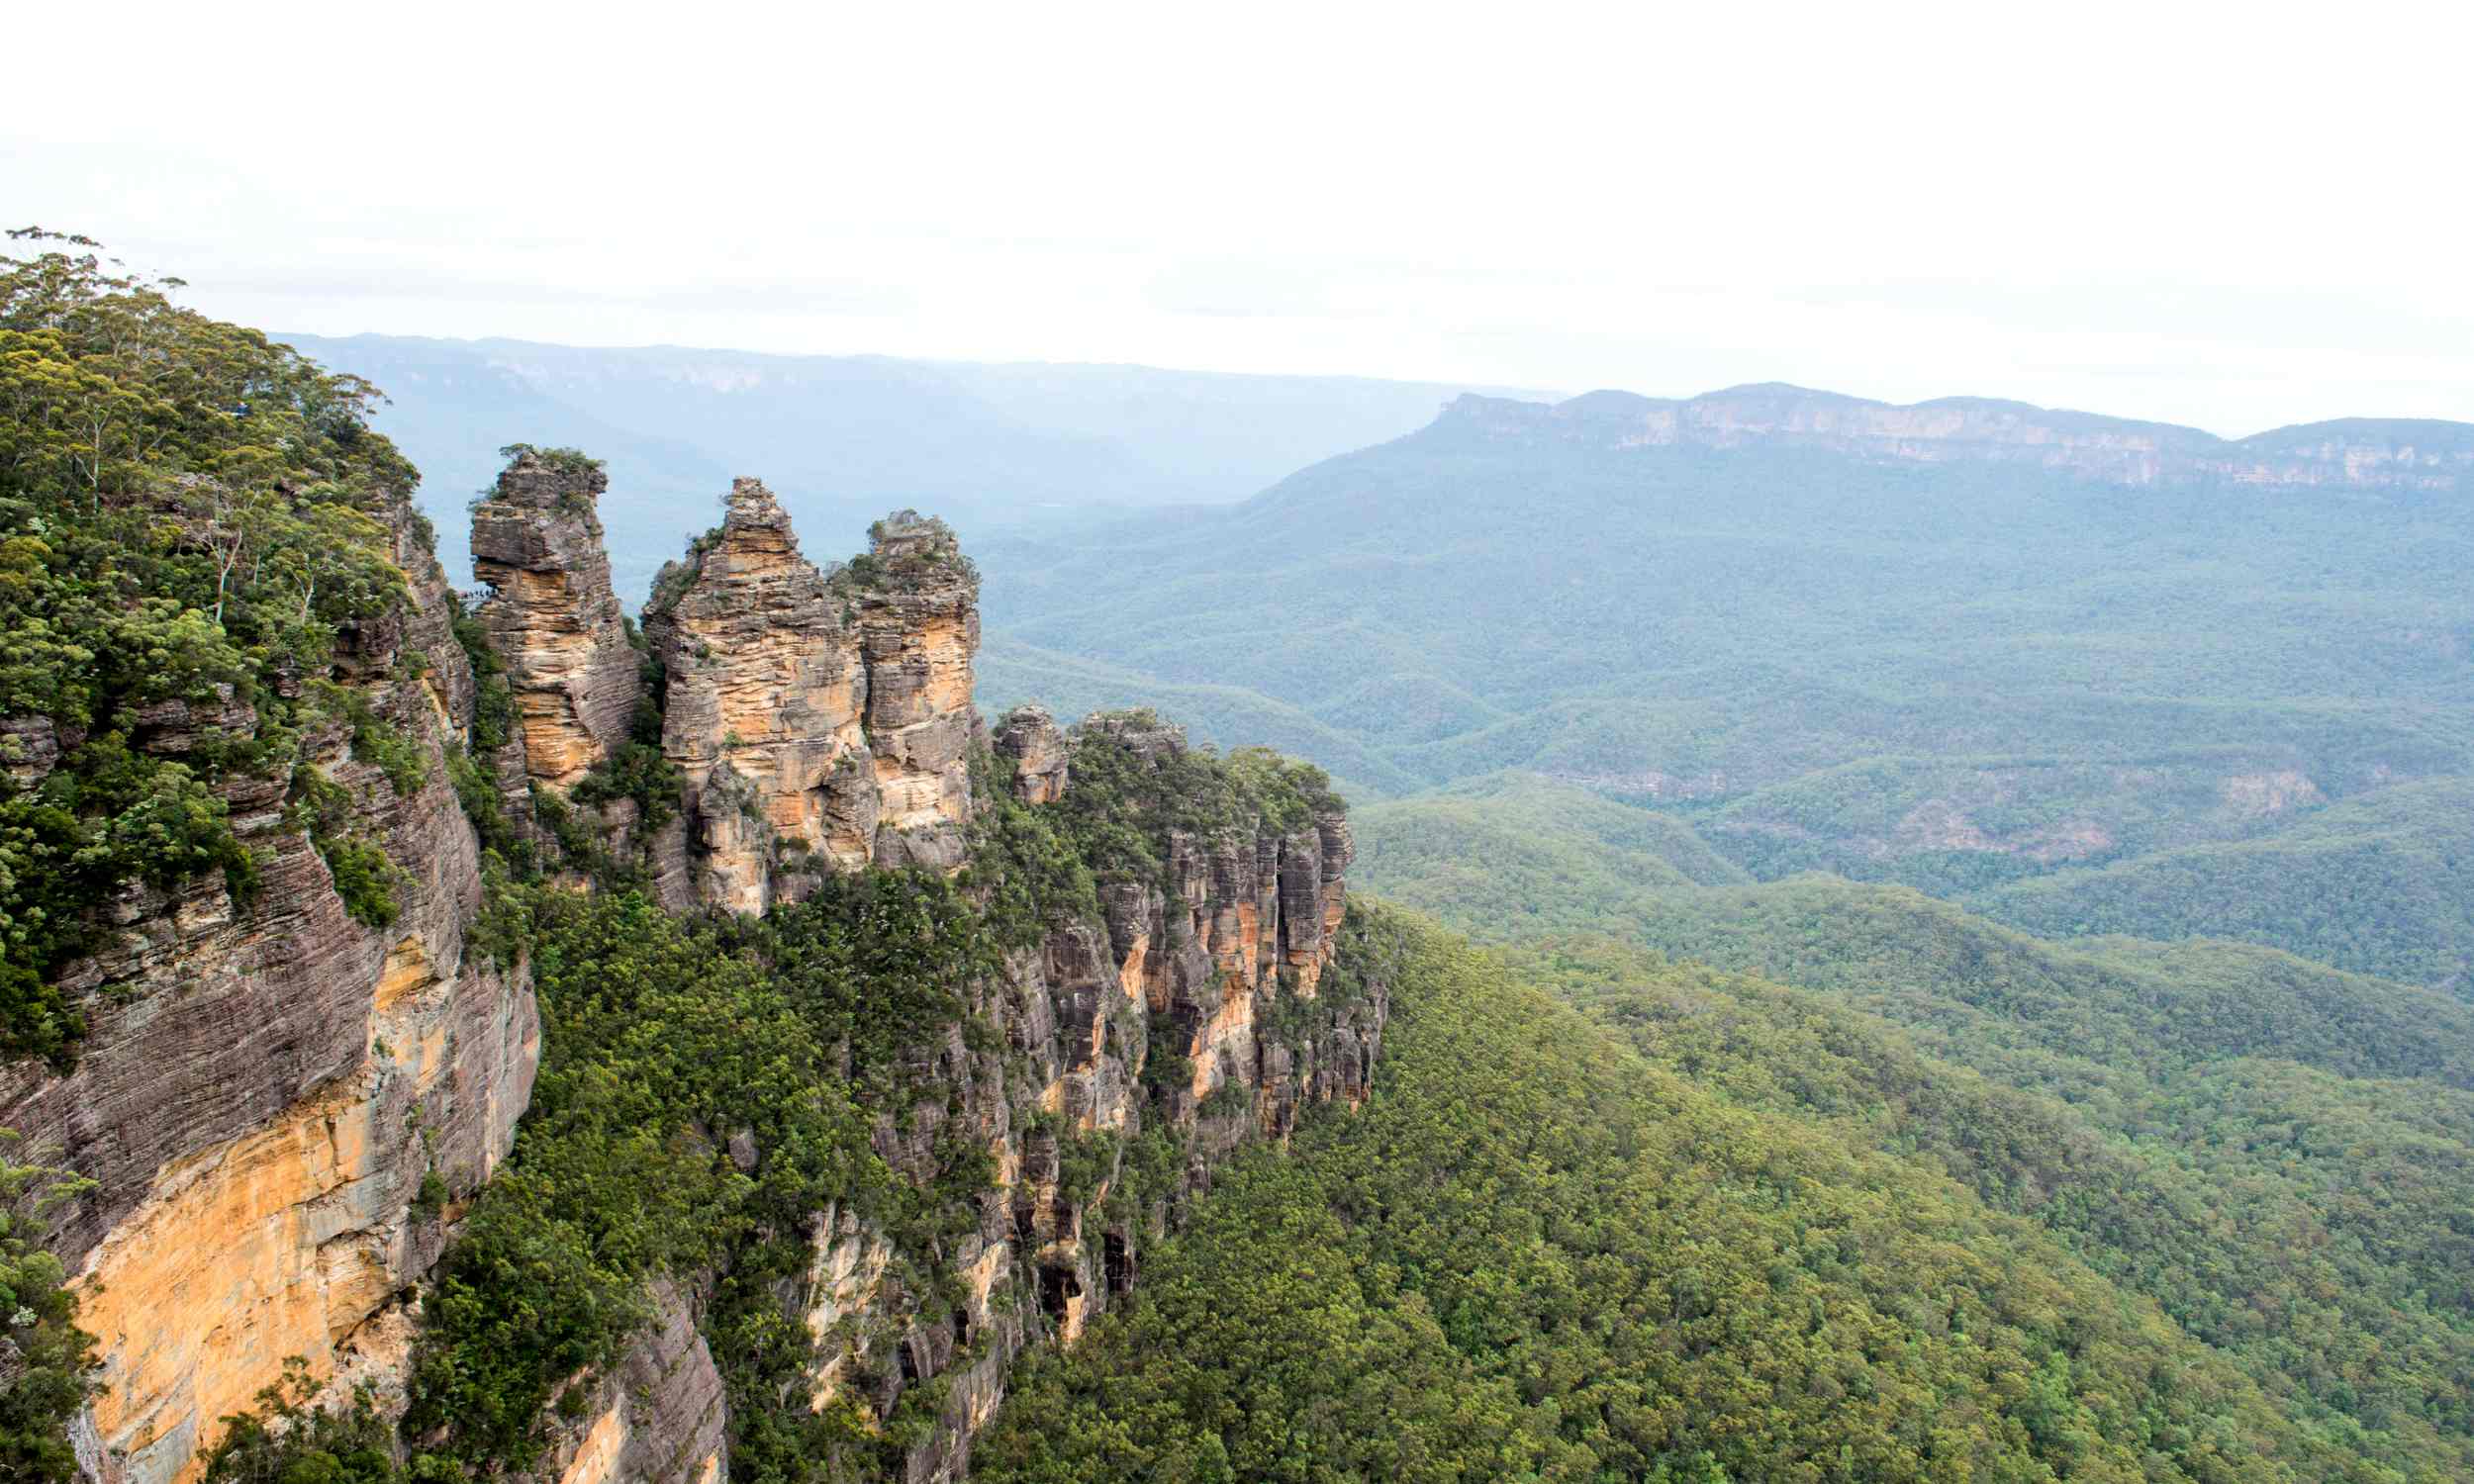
column 918, row 605
column 822, row 722
column 764, row 715
column 552, row 616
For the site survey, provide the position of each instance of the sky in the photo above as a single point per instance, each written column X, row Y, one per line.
column 2233, row 217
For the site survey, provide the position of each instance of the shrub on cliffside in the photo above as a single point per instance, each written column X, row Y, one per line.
column 46, row 1363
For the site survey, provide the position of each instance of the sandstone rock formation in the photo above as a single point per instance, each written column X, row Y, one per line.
column 765, row 702
column 660, row 1415
column 916, row 602
column 1190, row 969
column 1240, row 913
column 267, row 1084
column 1246, row 920
column 822, row 723
column 552, row 616
column 286, row 1111
column 1029, row 736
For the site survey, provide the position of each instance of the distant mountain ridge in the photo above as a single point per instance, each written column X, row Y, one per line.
column 2085, row 675
column 2364, row 452
column 845, row 437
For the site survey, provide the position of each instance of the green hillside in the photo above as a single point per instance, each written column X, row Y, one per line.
column 2279, row 1154
column 1540, row 1254
column 2240, row 712
column 2383, row 883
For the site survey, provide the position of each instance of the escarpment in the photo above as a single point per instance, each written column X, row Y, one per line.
column 1169, row 998
column 285, row 1090
column 1004, row 1005
column 2355, row 453
column 1228, row 917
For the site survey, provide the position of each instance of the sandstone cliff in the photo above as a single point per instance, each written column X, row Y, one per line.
column 820, row 722
column 289, row 1100
column 551, row 618
column 834, row 709
column 279, row 1103
column 1190, row 1005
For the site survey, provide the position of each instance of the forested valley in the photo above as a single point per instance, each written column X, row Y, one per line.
column 1756, row 961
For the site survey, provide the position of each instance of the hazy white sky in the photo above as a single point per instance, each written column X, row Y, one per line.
column 2234, row 217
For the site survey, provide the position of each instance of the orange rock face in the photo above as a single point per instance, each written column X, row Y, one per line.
column 823, row 723
column 552, row 616
column 267, row 1084
column 765, row 713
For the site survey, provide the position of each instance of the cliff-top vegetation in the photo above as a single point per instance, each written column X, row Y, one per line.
column 189, row 533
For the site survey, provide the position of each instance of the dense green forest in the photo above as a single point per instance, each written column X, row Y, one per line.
column 2278, row 1153
column 1858, row 1080
column 2383, row 884
column 1545, row 1249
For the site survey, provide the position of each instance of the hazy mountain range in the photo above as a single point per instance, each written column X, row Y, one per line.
column 2080, row 672
column 2089, row 675
column 1844, row 1073
column 846, row 438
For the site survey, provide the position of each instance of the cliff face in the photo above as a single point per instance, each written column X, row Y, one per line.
column 1234, row 914
column 837, row 708
column 2356, row 453
column 267, row 1083
column 1159, row 1015
column 822, row 723
column 287, row 1109
column 552, row 616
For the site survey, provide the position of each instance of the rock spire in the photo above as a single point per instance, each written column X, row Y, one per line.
column 821, row 722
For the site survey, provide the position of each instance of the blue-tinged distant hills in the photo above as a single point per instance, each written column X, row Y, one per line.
column 846, row 438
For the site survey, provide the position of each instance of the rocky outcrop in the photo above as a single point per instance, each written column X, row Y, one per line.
column 551, row 618
column 1200, row 1002
column 1057, row 1246
column 765, row 713
column 286, row 1110
column 1031, row 739
column 660, row 1415
column 916, row 606
column 823, row 723
column 269, row 1085
column 2355, row 453
column 1242, row 914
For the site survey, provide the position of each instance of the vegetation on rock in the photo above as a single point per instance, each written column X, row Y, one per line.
column 190, row 524
column 46, row 1363
column 1536, row 1254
